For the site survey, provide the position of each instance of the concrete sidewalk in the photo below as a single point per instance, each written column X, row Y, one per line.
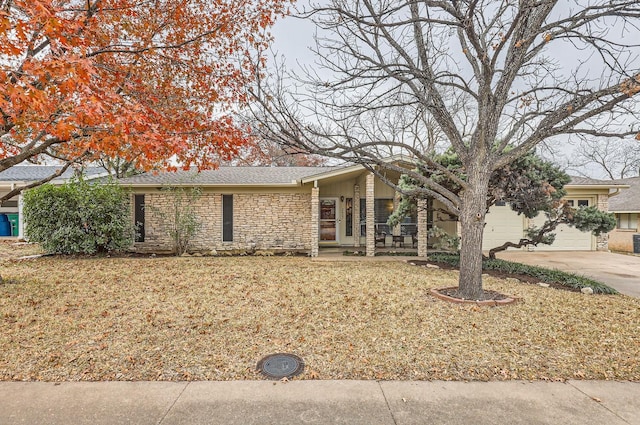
column 320, row 402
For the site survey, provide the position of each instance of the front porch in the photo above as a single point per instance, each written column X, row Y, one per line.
column 349, row 213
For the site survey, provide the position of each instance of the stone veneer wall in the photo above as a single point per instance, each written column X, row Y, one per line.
column 260, row 221
column 315, row 221
column 356, row 216
column 370, row 219
column 422, row 228
column 602, row 241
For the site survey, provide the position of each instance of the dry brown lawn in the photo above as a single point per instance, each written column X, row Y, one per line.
column 11, row 249
column 69, row 319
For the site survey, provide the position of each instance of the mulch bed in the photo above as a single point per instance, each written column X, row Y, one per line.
column 498, row 274
column 488, row 295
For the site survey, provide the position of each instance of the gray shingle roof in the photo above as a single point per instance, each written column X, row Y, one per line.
column 228, row 176
column 627, row 199
column 583, row 181
column 30, row 173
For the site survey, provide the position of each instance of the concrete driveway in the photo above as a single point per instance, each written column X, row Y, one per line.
column 621, row 272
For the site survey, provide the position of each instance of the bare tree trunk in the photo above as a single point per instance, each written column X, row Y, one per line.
column 472, row 212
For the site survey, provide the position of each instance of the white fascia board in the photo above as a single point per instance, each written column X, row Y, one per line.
column 596, row 186
column 333, row 173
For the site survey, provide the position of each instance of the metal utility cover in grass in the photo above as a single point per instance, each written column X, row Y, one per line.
column 281, row 365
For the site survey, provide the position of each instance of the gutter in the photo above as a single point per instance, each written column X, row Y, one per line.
column 294, row 183
column 597, row 186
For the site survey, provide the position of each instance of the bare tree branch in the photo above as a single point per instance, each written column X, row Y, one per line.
column 494, row 78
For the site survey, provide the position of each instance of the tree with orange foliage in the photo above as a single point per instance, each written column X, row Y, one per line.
column 150, row 82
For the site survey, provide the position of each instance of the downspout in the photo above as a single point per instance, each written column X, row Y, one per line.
column 616, row 193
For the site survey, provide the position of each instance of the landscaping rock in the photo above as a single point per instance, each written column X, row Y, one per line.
column 544, row 285
column 432, row 266
column 588, row 291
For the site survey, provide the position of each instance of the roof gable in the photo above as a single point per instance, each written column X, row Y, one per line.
column 627, row 200
column 586, row 181
column 31, row 173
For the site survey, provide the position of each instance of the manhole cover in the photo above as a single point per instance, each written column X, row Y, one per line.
column 281, row 365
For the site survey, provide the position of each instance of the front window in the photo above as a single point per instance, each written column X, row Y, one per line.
column 138, row 217
column 383, row 208
column 227, row 218
column 578, row 202
column 628, row 221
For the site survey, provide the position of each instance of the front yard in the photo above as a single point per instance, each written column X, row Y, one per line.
column 214, row 318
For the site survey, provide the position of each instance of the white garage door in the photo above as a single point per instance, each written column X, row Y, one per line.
column 569, row 238
column 502, row 225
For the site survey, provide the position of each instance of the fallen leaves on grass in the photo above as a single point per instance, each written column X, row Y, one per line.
column 214, row 318
column 11, row 249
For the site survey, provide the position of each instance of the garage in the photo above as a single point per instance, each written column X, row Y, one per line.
column 567, row 238
column 502, row 225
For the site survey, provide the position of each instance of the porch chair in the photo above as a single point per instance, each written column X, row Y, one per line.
column 381, row 238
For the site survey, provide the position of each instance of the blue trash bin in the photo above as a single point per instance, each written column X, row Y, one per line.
column 5, row 225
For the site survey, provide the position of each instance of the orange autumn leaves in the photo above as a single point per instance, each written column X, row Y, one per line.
column 146, row 81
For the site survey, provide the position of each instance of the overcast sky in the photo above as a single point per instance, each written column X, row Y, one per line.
column 294, row 37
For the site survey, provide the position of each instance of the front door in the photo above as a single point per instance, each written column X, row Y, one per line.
column 329, row 220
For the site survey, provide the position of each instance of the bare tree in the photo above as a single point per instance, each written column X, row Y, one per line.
column 610, row 158
column 498, row 78
column 260, row 152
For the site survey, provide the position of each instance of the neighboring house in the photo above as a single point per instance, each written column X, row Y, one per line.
column 22, row 175
column 306, row 208
column 626, row 207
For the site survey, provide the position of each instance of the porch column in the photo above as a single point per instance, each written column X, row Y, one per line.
column 602, row 241
column 422, row 228
column 315, row 223
column 371, row 223
column 355, row 231
column 397, row 229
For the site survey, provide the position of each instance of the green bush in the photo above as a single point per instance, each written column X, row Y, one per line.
column 78, row 217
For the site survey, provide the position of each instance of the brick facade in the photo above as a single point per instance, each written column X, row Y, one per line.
column 260, row 221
